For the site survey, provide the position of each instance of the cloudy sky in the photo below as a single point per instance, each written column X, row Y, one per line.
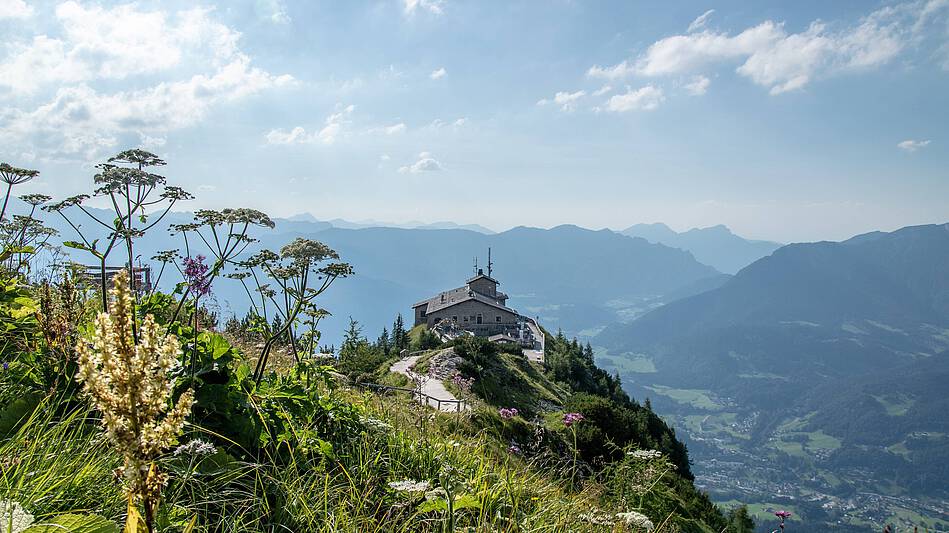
column 784, row 120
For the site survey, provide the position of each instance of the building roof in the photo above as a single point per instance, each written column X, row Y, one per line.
column 457, row 296
column 482, row 275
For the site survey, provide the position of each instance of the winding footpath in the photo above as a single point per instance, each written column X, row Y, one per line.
column 432, row 387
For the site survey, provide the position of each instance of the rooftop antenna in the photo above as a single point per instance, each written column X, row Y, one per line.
column 490, row 264
column 475, row 260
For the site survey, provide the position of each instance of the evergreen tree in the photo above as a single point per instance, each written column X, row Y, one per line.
column 400, row 337
column 383, row 342
column 352, row 337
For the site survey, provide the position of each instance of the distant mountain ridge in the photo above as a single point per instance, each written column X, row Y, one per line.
column 412, row 224
column 715, row 246
column 567, row 275
column 842, row 339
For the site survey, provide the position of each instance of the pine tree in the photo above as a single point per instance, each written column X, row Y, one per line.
column 400, row 337
column 352, row 337
column 383, row 342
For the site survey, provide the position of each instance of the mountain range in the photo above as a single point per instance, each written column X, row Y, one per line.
column 715, row 246
column 828, row 360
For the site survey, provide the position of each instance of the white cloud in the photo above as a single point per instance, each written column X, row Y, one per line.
column 603, row 90
column 566, row 101
column 394, row 129
column 616, row 72
column 80, row 120
column 207, row 188
column 438, row 74
column 275, row 11
column 911, row 145
column 698, row 86
column 643, row 99
column 328, row 134
column 435, row 7
column 769, row 55
column 100, row 43
column 700, row 21
column 152, row 143
column 15, row 9
column 438, row 123
column 425, row 163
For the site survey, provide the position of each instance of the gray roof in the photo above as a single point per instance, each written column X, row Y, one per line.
column 485, row 276
column 457, row 296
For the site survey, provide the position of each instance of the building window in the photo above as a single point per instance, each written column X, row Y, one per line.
column 466, row 319
column 498, row 318
column 454, row 318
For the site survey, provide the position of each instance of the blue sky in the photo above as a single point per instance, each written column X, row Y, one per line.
column 784, row 120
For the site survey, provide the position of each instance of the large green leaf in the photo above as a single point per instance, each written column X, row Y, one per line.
column 74, row 523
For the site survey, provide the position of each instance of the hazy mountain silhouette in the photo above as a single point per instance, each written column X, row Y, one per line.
column 715, row 246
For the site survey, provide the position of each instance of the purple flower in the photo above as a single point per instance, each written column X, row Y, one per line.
column 6, row 365
column 782, row 514
column 514, row 449
column 196, row 274
column 462, row 382
column 507, row 413
column 570, row 419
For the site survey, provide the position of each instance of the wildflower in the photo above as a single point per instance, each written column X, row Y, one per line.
column 196, row 274
column 514, row 449
column 376, row 424
column 597, row 518
column 462, row 382
column 6, row 365
column 782, row 514
column 410, row 486
column 507, row 413
column 128, row 383
column 634, row 519
column 196, row 448
column 645, row 454
column 570, row 419
column 13, row 517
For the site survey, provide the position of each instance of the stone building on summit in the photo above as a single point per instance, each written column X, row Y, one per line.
column 477, row 307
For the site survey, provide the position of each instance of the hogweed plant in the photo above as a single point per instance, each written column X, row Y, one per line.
column 128, row 383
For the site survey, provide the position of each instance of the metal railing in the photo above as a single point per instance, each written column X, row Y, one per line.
column 460, row 405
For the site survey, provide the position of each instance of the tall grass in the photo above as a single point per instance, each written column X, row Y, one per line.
column 58, row 463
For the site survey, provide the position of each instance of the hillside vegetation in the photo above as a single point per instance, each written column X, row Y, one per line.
column 130, row 406
column 823, row 364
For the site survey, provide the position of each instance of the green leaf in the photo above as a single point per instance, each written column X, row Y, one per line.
column 242, row 372
column 467, row 501
column 74, row 523
column 435, row 504
column 77, row 245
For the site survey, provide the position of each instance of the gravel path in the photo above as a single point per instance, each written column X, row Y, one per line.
column 430, row 386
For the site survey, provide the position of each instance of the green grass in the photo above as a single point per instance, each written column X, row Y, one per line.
column 65, row 465
column 699, row 399
column 897, row 404
column 627, row 363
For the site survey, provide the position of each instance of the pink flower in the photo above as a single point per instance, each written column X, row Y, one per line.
column 196, row 274
column 507, row 413
column 782, row 514
column 570, row 419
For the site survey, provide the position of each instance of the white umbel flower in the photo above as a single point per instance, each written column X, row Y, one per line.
column 13, row 517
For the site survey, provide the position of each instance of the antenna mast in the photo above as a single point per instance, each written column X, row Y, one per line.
column 490, row 264
column 474, row 260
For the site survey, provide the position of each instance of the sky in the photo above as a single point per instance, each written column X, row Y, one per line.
column 788, row 121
